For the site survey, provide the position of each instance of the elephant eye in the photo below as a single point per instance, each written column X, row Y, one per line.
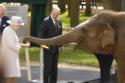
column 92, row 34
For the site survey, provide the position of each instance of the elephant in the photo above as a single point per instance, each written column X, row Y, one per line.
column 104, row 29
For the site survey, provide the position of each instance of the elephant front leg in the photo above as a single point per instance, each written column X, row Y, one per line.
column 120, row 58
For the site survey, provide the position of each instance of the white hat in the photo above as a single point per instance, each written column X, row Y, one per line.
column 16, row 19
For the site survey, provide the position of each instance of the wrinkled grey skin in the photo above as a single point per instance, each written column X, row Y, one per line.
column 103, row 29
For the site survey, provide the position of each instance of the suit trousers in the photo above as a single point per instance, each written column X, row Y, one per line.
column 105, row 62
column 50, row 69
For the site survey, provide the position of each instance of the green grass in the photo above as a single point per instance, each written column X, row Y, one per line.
column 79, row 57
column 83, row 17
column 33, row 52
column 69, row 55
column 66, row 20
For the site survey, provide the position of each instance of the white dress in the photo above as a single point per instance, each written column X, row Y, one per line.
column 10, row 50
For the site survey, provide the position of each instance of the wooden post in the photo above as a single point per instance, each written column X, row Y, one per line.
column 26, row 47
column 41, row 61
column 41, row 64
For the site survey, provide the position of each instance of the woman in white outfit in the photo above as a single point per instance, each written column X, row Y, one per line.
column 10, row 48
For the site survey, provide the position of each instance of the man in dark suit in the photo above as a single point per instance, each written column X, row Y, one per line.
column 3, row 18
column 51, row 27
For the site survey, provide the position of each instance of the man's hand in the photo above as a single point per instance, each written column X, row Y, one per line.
column 61, row 49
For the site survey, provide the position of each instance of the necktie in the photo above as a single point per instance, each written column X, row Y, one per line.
column 0, row 21
column 56, row 25
column 55, row 22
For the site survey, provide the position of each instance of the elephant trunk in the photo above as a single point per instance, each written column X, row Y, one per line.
column 59, row 40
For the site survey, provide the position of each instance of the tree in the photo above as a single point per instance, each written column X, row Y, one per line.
column 73, row 7
column 88, row 7
column 49, row 7
column 112, row 4
column 62, row 5
column 69, row 6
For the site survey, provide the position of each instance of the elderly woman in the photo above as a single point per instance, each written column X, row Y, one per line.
column 10, row 50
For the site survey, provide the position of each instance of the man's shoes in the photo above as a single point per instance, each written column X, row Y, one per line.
column 71, row 82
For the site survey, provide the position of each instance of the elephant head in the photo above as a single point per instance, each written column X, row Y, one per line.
column 90, row 35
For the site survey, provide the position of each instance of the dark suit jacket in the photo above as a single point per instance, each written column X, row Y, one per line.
column 49, row 30
column 3, row 23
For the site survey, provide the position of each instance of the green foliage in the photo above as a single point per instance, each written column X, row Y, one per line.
column 34, row 54
column 69, row 55
column 79, row 57
column 66, row 20
column 83, row 17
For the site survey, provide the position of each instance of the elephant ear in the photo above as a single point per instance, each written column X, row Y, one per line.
column 108, row 36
